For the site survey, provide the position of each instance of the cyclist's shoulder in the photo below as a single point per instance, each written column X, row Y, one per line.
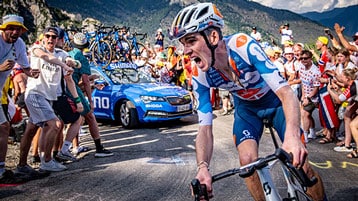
column 239, row 43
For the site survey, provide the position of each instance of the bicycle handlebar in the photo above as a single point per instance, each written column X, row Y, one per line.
column 199, row 190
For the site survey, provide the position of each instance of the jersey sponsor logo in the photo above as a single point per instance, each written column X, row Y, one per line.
column 241, row 40
column 247, row 93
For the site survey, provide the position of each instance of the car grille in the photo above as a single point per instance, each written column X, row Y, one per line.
column 175, row 100
column 162, row 114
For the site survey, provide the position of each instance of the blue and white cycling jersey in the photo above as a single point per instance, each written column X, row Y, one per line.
column 257, row 76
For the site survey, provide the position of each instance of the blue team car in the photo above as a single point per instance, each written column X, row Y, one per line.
column 128, row 94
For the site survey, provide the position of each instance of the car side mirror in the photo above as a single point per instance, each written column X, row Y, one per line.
column 100, row 84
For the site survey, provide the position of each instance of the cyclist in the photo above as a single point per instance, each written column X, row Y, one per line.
column 238, row 64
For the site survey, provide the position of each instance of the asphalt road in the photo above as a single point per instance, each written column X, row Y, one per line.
column 157, row 162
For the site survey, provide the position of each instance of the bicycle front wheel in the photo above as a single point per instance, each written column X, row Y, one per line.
column 102, row 53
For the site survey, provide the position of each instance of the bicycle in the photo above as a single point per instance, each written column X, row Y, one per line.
column 296, row 179
column 100, row 48
column 136, row 48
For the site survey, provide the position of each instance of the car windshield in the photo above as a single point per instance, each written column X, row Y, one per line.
column 129, row 75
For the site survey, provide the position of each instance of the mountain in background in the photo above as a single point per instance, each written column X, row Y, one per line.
column 342, row 16
column 148, row 16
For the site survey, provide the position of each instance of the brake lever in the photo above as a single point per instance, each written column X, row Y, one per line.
column 199, row 190
column 299, row 173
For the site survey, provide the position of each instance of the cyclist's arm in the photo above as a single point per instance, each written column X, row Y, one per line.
column 204, row 149
column 269, row 72
column 292, row 142
column 204, row 139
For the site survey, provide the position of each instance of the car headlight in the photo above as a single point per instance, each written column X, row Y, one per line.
column 148, row 99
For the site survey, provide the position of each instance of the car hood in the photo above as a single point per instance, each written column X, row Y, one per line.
column 153, row 89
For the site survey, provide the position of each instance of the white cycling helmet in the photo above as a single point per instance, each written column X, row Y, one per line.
column 195, row 18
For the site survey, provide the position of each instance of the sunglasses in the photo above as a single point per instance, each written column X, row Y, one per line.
column 13, row 28
column 50, row 36
column 304, row 58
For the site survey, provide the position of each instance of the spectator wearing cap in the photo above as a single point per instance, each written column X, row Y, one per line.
column 255, row 34
column 286, row 33
column 351, row 46
column 278, row 60
column 60, row 40
column 325, row 57
column 81, row 75
column 328, row 115
column 291, row 71
column 159, row 38
column 289, row 60
column 12, row 50
column 41, row 93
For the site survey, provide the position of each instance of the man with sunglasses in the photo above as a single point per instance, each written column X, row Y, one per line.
column 12, row 50
column 40, row 94
column 309, row 76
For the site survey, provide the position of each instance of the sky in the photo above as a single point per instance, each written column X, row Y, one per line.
column 303, row 6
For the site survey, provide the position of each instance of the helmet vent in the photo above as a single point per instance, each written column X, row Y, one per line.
column 203, row 12
column 188, row 17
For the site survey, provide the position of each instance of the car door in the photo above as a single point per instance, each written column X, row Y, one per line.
column 101, row 96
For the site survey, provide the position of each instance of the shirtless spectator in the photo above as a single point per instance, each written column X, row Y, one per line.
column 19, row 80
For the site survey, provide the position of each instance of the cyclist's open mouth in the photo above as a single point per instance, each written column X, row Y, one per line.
column 197, row 60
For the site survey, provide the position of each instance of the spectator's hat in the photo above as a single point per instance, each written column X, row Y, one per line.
column 61, row 32
column 51, row 29
column 277, row 49
column 80, row 41
column 270, row 51
column 14, row 20
column 159, row 30
column 289, row 42
column 288, row 50
column 287, row 24
column 160, row 63
column 253, row 28
column 355, row 36
column 162, row 55
column 323, row 39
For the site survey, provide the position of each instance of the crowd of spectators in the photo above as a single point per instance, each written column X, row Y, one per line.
column 323, row 78
column 45, row 79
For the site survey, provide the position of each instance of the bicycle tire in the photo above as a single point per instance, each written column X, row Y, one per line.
column 138, row 52
column 102, row 53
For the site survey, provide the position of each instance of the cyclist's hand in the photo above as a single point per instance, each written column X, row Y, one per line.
column 294, row 146
column 204, row 177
